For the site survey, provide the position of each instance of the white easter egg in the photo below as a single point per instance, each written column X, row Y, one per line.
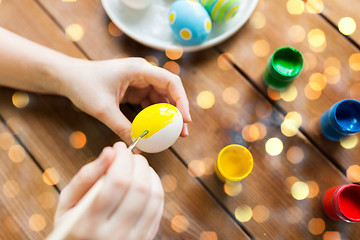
column 163, row 122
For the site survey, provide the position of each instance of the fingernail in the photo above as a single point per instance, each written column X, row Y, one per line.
column 186, row 131
column 190, row 117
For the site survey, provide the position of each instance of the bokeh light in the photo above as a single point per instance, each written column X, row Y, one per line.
column 261, row 48
column 47, row 200
column 232, row 189
column 332, row 75
column 347, row 25
column 51, row 176
column 273, row 94
column 205, row 99
column 312, row 91
column 289, row 94
column 353, row 173
column 74, row 32
column 77, row 139
column 68, row 0
column 169, row 183
column 209, row 165
column 37, row 222
column 257, row 20
column 179, row 223
column 331, row 235
column 332, row 62
column 274, row 146
column 262, row 130
column 196, row 168
column 173, row 67
column 296, row 33
column 6, row 140
column 349, row 142
column 294, row 214
column 289, row 182
column 316, row 226
column 289, row 127
column 20, row 99
column 16, row 153
column 354, row 61
column 313, row 189
column 295, row 7
column 11, row 189
column 208, row 236
column 231, row 95
column 300, row 190
column 225, row 61
column 295, row 155
column 295, row 116
column 261, row 213
column 174, row 54
column 317, row 40
column 114, row 30
column 314, row 6
column 243, row 213
column 250, row 133
column 319, row 79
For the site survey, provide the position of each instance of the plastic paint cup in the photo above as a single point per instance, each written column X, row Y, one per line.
column 283, row 67
column 342, row 203
column 341, row 120
column 234, row 163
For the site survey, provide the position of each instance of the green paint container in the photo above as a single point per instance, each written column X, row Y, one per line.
column 283, row 67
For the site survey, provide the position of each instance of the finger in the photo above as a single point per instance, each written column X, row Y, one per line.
column 145, row 103
column 132, row 207
column 155, row 97
column 117, row 182
column 168, row 83
column 150, row 219
column 84, row 180
column 117, row 122
column 184, row 131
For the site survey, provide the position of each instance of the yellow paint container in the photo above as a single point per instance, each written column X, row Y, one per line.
column 234, row 163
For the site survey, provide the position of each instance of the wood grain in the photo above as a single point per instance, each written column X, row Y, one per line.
column 274, row 35
column 27, row 204
column 44, row 127
column 335, row 10
column 214, row 128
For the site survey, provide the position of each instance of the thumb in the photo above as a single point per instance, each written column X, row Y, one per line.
column 117, row 122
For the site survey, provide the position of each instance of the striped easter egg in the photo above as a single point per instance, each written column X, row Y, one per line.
column 221, row 10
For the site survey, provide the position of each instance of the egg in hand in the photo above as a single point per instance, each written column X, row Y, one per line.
column 163, row 122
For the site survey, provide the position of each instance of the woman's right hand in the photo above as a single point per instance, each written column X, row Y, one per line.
column 130, row 204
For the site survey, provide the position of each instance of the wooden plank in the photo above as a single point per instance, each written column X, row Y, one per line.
column 268, row 184
column 336, row 10
column 263, row 187
column 27, row 204
column 253, row 45
column 47, row 122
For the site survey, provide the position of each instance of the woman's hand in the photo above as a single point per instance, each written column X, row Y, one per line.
column 98, row 87
column 130, row 204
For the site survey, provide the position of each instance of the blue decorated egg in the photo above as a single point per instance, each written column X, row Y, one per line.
column 189, row 21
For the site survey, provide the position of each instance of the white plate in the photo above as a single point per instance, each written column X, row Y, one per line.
column 151, row 27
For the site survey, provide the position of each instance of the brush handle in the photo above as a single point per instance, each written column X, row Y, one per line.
column 73, row 215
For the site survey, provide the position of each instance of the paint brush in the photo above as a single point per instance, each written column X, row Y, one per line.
column 73, row 216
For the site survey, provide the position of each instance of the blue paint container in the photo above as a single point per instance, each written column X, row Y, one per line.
column 341, row 120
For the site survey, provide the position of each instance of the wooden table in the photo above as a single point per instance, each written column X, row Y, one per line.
column 44, row 140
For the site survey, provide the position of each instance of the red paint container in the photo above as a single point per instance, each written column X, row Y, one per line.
column 342, row 203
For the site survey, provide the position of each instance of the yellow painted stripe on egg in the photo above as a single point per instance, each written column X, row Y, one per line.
column 231, row 13
column 153, row 118
column 216, row 8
